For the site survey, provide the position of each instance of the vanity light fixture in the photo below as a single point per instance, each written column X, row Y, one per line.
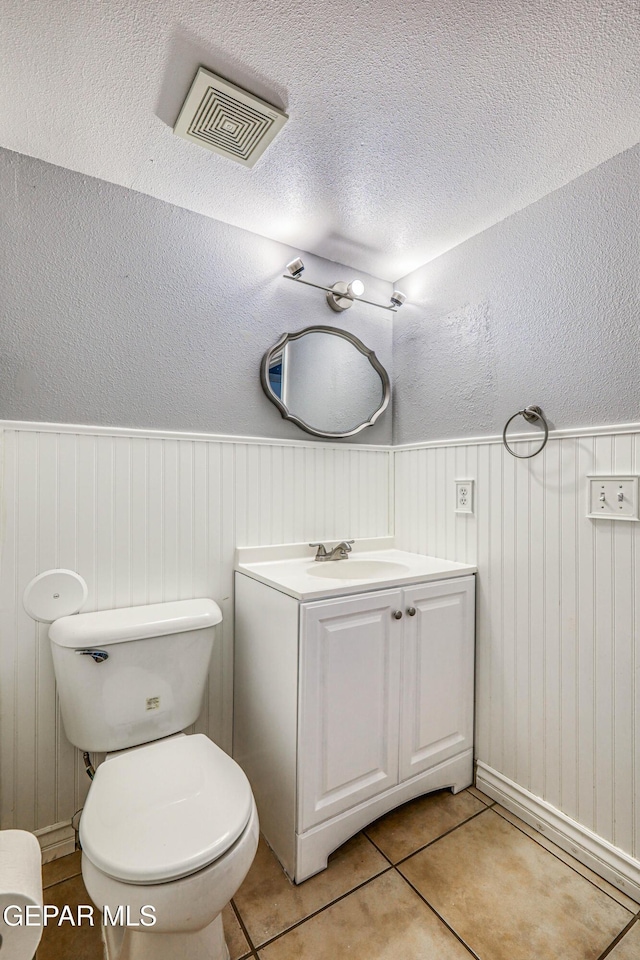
column 342, row 295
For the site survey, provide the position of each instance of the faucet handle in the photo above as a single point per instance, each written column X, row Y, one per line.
column 322, row 550
column 343, row 549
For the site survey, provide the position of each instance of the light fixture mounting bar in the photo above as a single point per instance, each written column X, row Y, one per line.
column 318, row 286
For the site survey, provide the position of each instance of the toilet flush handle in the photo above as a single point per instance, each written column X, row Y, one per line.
column 99, row 656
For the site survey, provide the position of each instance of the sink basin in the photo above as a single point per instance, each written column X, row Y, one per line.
column 357, row 569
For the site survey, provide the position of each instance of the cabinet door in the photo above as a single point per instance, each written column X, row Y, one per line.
column 349, row 703
column 437, row 674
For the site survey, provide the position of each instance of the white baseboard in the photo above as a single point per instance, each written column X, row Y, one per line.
column 609, row 862
column 55, row 841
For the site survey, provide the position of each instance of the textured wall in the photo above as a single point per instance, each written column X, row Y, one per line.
column 542, row 308
column 146, row 519
column 122, row 310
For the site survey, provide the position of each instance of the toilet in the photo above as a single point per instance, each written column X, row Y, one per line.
column 170, row 827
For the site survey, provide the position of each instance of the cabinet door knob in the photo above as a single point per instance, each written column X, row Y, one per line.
column 411, row 611
column 397, row 614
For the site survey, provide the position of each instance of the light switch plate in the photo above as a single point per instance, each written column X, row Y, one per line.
column 613, row 498
column 464, row 496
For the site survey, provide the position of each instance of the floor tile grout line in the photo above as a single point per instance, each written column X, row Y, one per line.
column 243, row 927
column 614, row 943
column 50, row 886
column 442, row 835
column 441, row 918
column 391, row 865
column 593, row 884
column 491, row 802
column 310, row 916
column 381, row 852
column 487, row 806
column 342, row 896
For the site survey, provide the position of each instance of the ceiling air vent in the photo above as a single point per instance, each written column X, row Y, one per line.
column 228, row 120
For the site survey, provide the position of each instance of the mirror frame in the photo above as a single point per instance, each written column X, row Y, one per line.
column 338, row 332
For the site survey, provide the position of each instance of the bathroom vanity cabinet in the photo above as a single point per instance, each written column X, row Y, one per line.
column 349, row 706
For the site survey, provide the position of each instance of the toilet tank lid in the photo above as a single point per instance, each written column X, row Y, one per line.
column 134, row 623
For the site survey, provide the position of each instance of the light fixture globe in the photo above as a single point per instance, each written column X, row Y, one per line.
column 398, row 298
column 295, row 268
column 342, row 295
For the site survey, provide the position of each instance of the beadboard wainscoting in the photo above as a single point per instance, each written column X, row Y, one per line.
column 558, row 614
column 147, row 517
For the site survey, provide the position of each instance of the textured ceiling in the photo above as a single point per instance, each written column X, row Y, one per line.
column 414, row 125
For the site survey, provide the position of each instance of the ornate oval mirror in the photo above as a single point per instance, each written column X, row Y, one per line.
column 326, row 381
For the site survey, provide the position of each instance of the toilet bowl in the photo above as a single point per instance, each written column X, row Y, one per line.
column 169, row 828
column 168, row 833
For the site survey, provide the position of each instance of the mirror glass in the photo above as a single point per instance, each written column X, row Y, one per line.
column 326, row 381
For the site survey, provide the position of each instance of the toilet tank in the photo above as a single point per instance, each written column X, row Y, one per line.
column 132, row 675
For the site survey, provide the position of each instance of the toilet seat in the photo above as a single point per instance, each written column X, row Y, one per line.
column 164, row 810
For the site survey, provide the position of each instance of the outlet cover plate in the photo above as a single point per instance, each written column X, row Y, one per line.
column 613, row 498
column 464, row 496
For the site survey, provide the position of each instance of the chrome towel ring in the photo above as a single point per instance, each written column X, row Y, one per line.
column 531, row 414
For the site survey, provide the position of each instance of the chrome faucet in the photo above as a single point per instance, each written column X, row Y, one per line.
column 339, row 552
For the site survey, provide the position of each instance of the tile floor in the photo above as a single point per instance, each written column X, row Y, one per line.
column 442, row 878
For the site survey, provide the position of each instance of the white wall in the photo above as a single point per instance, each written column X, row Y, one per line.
column 558, row 643
column 146, row 518
column 150, row 517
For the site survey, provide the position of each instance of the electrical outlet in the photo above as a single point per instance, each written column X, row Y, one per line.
column 464, row 496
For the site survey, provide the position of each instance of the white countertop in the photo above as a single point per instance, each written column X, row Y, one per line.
column 291, row 568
